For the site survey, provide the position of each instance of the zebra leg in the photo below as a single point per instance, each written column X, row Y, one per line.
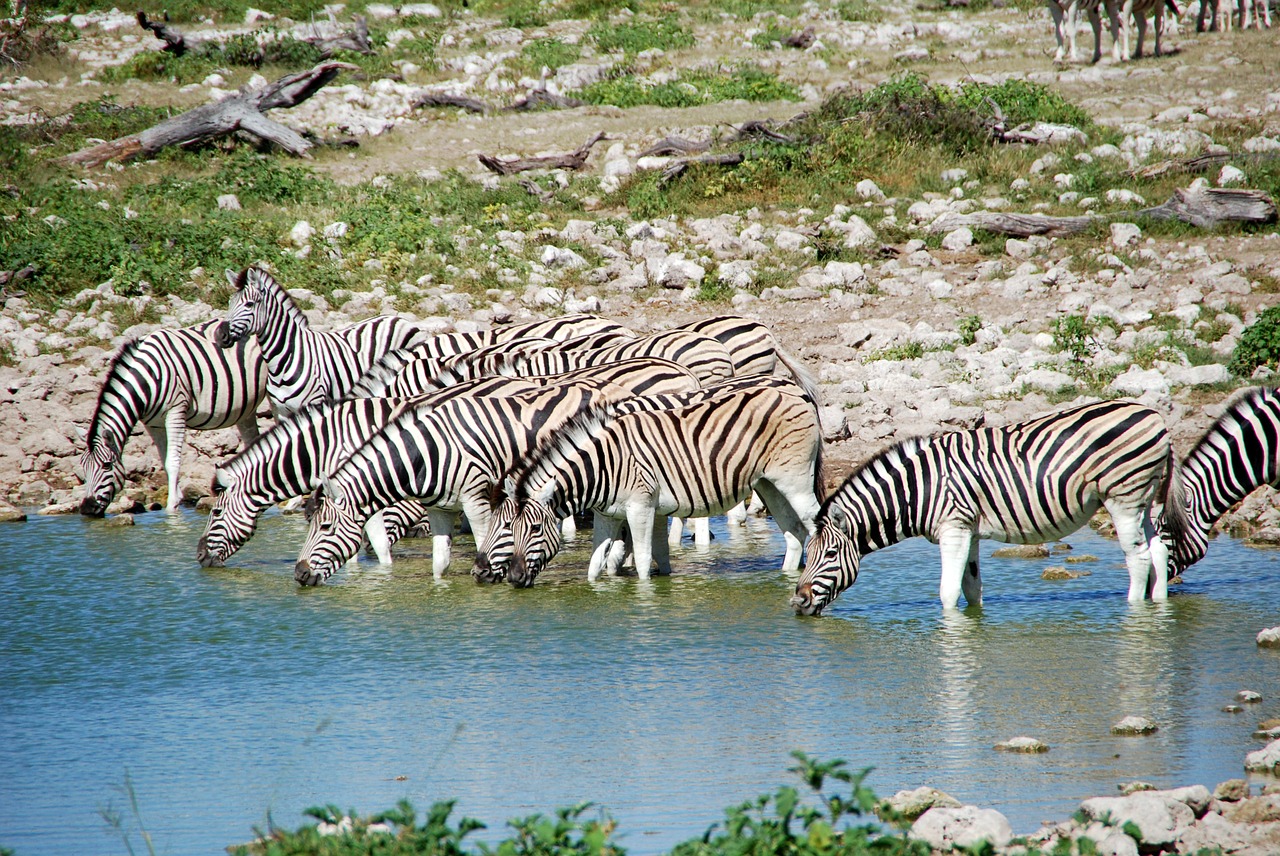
column 1135, row 541
column 175, row 429
column 971, row 582
column 442, row 523
column 701, row 531
column 737, row 516
column 248, row 428
column 955, row 544
column 640, row 520
column 375, row 529
column 606, row 540
column 661, row 549
column 568, row 528
column 677, row 530
column 793, row 511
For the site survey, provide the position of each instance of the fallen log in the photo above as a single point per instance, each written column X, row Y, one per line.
column 675, row 146
column 756, row 129
column 356, row 41
column 573, row 160
column 676, row 168
column 1202, row 207
column 444, row 99
column 174, row 41
column 541, row 99
column 240, row 112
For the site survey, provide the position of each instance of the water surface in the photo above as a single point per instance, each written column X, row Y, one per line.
column 229, row 695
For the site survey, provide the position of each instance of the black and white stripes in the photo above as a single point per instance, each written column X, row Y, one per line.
column 1030, row 482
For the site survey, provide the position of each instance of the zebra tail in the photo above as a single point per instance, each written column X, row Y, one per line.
column 1173, row 518
column 802, row 376
column 820, row 475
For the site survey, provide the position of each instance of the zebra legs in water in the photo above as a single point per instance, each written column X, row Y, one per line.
column 959, row 548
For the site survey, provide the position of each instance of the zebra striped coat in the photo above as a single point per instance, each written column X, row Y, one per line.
column 304, row 366
column 706, row 358
column 169, row 380
column 449, row 458
column 1026, row 483
column 753, row 348
column 633, row 468
column 1237, row 455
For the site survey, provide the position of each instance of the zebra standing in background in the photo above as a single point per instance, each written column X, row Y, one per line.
column 1237, row 455
column 169, row 380
column 753, row 348
column 304, row 366
column 1026, row 483
column 449, row 458
column 1066, row 21
column 635, row 467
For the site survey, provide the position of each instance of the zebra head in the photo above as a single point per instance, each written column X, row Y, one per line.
column 246, row 309
column 232, row 521
column 103, row 478
column 333, row 536
column 831, row 564
column 493, row 557
column 535, row 533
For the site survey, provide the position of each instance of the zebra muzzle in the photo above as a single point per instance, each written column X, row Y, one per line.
column 93, row 507
column 304, row 575
column 222, row 335
column 203, row 556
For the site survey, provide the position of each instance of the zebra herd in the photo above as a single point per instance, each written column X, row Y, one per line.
column 385, row 427
column 1124, row 15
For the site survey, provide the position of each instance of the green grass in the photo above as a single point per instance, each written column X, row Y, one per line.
column 690, row 89
column 549, row 53
column 631, row 37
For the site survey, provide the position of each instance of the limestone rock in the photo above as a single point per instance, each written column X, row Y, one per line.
column 1058, row 572
column 1022, row 551
column 944, row 828
column 1265, row 760
column 120, row 520
column 912, row 804
column 1025, row 745
column 1232, row 790
column 10, row 514
column 1263, row 809
column 1269, row 638
column 1160, row 818
column 1134, row 725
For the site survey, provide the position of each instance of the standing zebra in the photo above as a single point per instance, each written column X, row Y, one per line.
column 634, row 467
column 1026, row 483
column 1238, row 454
column 1066, row 20
column 450, row 458
column 753, row 348
column 304, row 366
column 705, row 357
column 169, row 380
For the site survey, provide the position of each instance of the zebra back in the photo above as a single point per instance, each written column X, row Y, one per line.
column 754, row 348
column 560, row 329
column 414, row 370
column 1238, row 454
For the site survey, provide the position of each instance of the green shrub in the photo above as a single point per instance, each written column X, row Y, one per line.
column 968, row 329
column 692, row 88
column 860, row 11
column 632, row 37
column 1259, row 344
column 549, row 53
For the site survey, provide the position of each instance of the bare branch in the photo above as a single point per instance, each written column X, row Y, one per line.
column 573, row 160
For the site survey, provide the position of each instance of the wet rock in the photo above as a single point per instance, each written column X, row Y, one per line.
column 1082, row 559
column 10, row 514
column 945, row 828
column 1022, row 551
column 1263, row 809
column 1058, row 572
column 1160, row 818
column 1232, row 790
column 1024, row 745
column 1269, row 638
column 1268, row 729
column 1265, row 760
column 1249, row 696
column 1136, row 787
column 1217, row 834
column 912, row 804
column 120, row 520
column 71, row 506
column 1134, row 725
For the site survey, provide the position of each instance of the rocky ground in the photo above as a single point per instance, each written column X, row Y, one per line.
column 922, row 335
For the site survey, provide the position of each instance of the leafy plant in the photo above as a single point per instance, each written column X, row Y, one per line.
column 746, row 82
column 1259, row 344
column 860, row 11
column 968, row 329
column 632, row 37
column 1073, row 336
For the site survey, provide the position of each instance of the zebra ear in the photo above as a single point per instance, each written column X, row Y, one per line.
column 837, row 517
column 331, row 490
column 233, row 277
column 546, row 492
column 509, row 486
column 220, row 479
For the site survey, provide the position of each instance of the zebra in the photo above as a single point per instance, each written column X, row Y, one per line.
column 705, row 357
column 1239, row 453
column 560, row 329
column 753, row 348
column 634, row 467
column 449, row 458
column 1134, row 13
column 169, row 380
column 288, row 461
column 1066, row 18
column 304, row 366
column 1026, row 483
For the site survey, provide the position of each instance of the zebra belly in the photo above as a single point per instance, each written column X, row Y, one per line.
column 1038, row 531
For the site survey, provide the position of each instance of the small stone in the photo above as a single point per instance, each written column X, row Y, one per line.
column 1135, row 725
column 1265, row 760
column 1022, row 551
column 912, row 804
column 1026, row 745
column 120, row 520
column 1230, row 175
column 1124, row 234
column 59, row 508
column 1232, row 708
column 1269, row 638
column 945, row 829
column 1071, row 560
column 958, row 239
column 1058, row 572
column 1135, row 787
column 1232, row 790
column 1249, row 696
column 11, row 514
column 228, row 202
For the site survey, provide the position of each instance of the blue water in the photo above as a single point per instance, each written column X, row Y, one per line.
column 228, row 697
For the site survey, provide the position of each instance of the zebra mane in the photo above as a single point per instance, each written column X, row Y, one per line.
column 260, row 278
column 892, row 454
column 118, row 360
column 531, row 472
column 268, row 443
column 1242, row 402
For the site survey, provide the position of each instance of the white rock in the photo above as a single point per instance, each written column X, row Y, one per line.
column 1230, row 175
column 1135, row 381
column 944, row 828
column 1265, row 760
column 253, row 16
column 954, row 176
column 1134, row 725
column 1124, row 234
column 1019, row 249
column 561, row 257
column 789, row 241
column 1206, row 375
column 939, row 289
column 214, row 79
column 380, row 11
column 739, row 273
column 1160, row 818
column 1269, row 638
column 301, row 233
column 958, row 239
column 1262, row 144
column 228, row 202
column 1028, row 745
column 857, row 233
column 869, row 190
column 336, row 230
column 423, row 10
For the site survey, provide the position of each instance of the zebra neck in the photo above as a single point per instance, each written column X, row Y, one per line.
column 129, row 396
column 885, row 503
column 1215, row 479
column 283, row 338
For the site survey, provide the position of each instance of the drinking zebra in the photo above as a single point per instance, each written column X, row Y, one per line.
column 169, row 380
column 1025, row 483
column 451, row 456
column 631, row 468
column 304, row 366
column 1238, row 454
column 705, row 357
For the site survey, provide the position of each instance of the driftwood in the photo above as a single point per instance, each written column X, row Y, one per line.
column 1203, row 208
column 755, row 129
column 443, row 99
column 174, row 41
column 801, row 40
column 541, row 99
column 356, row 41
column 573, row 160
column 676, row 168
column 240, row 112
column 675, row 146
column 534, row 190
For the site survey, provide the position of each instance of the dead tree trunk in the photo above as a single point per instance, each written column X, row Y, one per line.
column 174, row 41
column 573, row 160
column 1203, row 208
column 240, row 112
